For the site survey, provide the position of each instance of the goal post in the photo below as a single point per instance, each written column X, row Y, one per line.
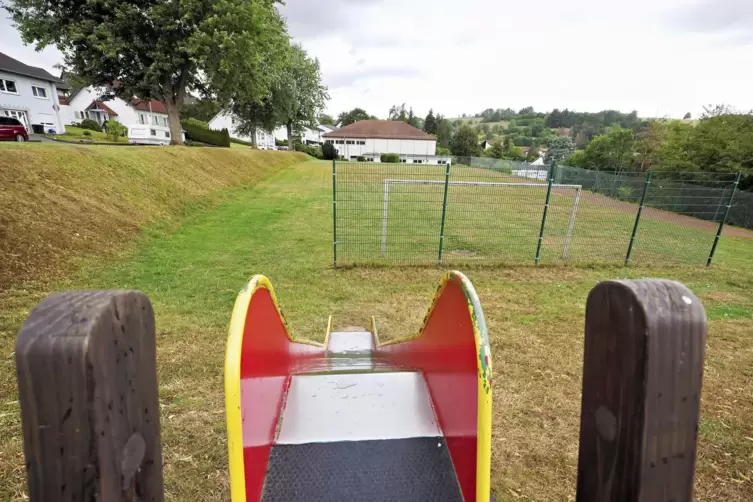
column 571, row 222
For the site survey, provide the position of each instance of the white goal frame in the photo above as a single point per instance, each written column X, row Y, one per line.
column 570, row 226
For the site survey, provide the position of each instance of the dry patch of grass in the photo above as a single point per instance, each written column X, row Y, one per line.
column 281, row 227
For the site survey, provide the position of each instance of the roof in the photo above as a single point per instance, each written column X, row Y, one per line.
column 144, row 105
column 11, row 65
column 381, row 129
column 100, row 105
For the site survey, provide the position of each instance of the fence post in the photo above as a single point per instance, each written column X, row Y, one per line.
column 638, row 218
column 334, row 214
column 87, row 384
column 546, row 210
column 444, row 213
column 640, row 407
column 724, row 219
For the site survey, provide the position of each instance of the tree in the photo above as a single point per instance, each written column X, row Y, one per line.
column 329, row 152
column 498, row 149
column 528, row 110
column 398, row 112
column 559, row 149
column 201, row 109
column 648, row 145
column 613, row 151
column 465, row 142
column 115, row 130
column 156, row 50
column 687, row 116
column 444, row 132
column 326, row 119
column 300, row 97
column 354, row 115
column 430, row 123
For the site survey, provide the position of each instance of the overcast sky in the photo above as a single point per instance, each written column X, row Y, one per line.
column 660, row 57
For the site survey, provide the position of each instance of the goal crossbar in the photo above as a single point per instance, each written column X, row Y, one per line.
column 570, row 226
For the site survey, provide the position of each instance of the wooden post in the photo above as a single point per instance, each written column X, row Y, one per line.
column 87, row 383
column 643, row 366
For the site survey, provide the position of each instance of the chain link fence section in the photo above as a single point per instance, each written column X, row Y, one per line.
column 507, row 211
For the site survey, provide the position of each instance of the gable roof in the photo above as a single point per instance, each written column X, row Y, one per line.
column 96, row 104
column 149, row 105
column 380, row 129
column 11, row 65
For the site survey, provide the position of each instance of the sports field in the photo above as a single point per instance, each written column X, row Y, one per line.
column 281, row 227
column 388, row 213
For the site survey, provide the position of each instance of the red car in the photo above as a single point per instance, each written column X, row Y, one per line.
column 12, row 129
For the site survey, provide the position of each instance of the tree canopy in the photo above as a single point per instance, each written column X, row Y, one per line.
column 156, row 50
column 465, row 142
column 353, row 116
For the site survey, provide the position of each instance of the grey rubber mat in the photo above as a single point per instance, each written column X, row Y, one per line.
column 413, row 469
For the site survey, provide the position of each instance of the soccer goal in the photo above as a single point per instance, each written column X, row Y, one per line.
column 576, row 192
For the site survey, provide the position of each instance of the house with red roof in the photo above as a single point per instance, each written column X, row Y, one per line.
column 90, row 103
column 369, row 139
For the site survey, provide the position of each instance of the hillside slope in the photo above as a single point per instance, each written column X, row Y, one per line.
column 58, row 201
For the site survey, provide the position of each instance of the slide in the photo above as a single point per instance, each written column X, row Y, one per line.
column 356, row 419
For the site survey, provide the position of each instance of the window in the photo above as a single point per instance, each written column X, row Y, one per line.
column 142, row 119
column 329, row 141
column 8, row 86
column 154, row 133
column 417, row 161
column 167, row 134
column 164, row 121
column 349, row 142
column 361, row 142
column 155, row 120
column 404, row 161
column 39, row 92
column 339, row 142
column 354, row 157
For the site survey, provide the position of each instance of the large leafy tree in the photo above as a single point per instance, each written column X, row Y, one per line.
column 353, row 116
column 156, row 49
column 299, row 96
column 465, row 142
column 559, row 149
column 613, row 151
column 430, row 123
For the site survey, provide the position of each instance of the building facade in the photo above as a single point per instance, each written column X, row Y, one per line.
column 369, row 139
column 224, row 120
column 87, row 103
column 30, row 95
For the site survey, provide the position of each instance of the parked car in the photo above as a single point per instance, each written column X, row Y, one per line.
column 12, row 129
column 149, row 135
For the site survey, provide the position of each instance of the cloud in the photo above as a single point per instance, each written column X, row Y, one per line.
column 309, row 19
column 350, row 78
column 726, row 21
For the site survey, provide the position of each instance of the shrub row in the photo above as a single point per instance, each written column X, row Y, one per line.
column 195, row 131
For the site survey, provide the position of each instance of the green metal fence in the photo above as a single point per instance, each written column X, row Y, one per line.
column 514, row 212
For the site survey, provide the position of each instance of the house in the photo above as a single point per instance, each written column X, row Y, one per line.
column 309, row 136
column 486, row 144
column 88, row 103
column 371, row 138
column 224, row 120
column 29, row 94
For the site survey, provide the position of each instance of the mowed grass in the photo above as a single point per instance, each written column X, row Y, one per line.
column 282, row 227
column 389, row 213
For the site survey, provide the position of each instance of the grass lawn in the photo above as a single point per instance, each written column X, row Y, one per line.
column 76, row 135
column 281, row 227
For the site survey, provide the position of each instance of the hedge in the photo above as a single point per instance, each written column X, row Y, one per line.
column 195, row 132
column 392, row 158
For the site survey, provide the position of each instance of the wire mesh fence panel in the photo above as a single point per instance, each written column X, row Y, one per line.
column 494, row 211
column 681, row 217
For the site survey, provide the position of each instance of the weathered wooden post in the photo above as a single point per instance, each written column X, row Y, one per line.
column 87, row 383
column 643, row 366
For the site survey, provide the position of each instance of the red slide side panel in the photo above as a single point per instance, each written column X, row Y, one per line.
column 267, row 357
column 445, row 351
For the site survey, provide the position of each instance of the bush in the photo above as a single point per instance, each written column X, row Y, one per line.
column 195, row 131
column 86, row 133
column 329, row 152
column 91, row 125
column 391, row 158
column 196, row 123
column 313, row 150
column 361, row 158
column 241, row 142
column 115, row 130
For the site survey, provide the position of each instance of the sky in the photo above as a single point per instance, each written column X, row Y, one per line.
column 662, row 58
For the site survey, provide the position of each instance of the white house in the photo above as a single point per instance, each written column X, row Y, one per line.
column 371, row 138
column 224, row 120
column 86, row 103
column 29, row 94
column 309, row 136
